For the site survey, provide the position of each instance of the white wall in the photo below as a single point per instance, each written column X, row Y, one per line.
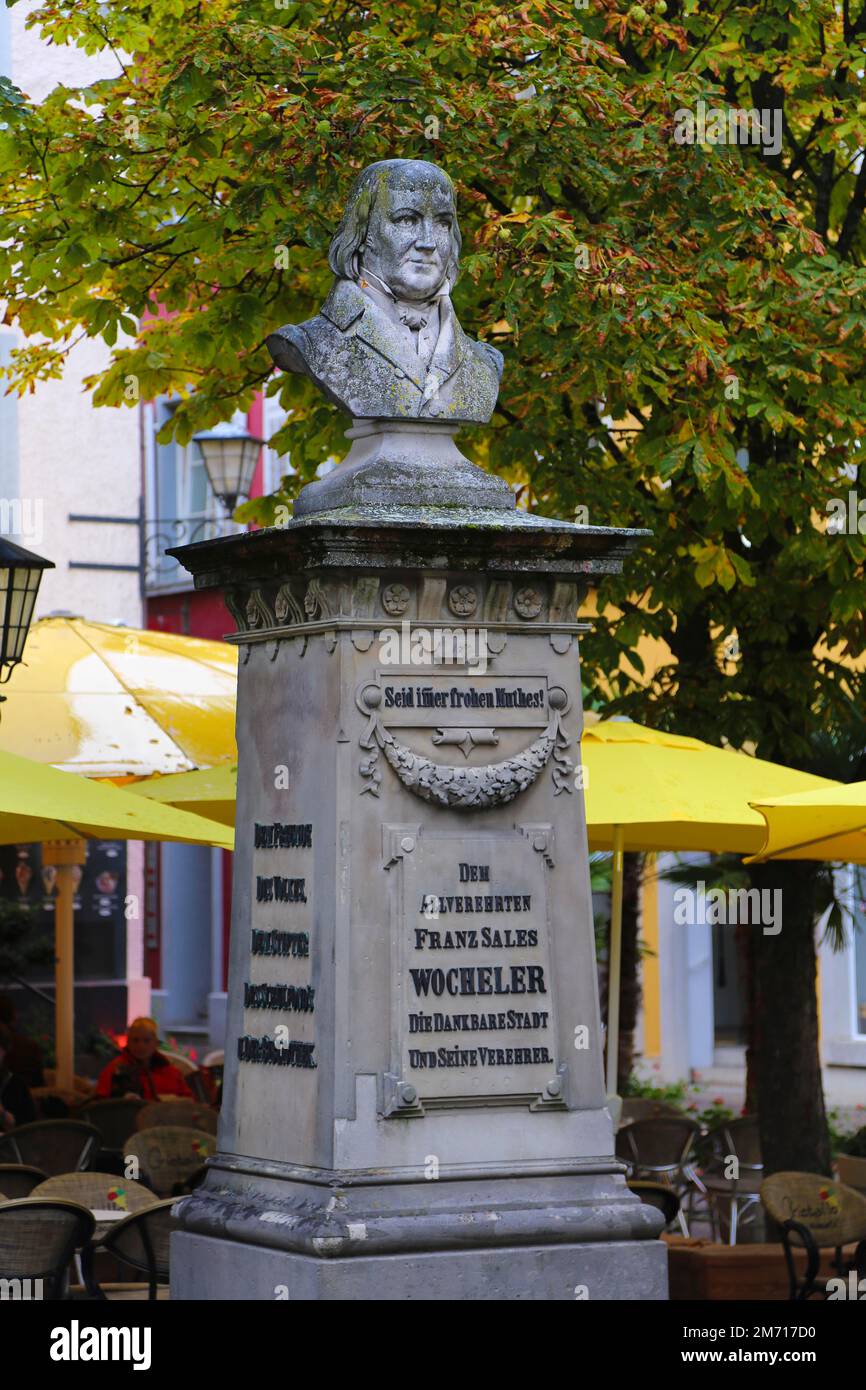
column 60, row 455
column 685, row 985
column 70, row 456
column 842, row 1043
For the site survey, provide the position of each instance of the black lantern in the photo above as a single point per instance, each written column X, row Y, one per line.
column 20, row 574
column 229, row 454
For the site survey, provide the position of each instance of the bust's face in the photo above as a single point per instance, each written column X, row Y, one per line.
column 409, row 237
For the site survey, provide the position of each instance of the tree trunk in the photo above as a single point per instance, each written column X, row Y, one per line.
column 629, row 991
column 790, row 1097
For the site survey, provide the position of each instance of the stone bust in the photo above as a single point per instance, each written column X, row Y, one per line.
column 386, row 343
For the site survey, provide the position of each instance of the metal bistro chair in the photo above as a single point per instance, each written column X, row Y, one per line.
column 214, row 1063
column 659, row 1195
column 814, row 1212
column 143, row 1241
column 99, row 1192
column 168, row 1154
column 18, row 1180
column 191, row 1074
column 38, row 1239
column 739, row 1140
column 659, row 1150
column 55, row 1146
column 641, row 1108
column 115, row 1120
column 187, row 1113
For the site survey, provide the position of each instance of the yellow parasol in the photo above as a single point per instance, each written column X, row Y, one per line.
column 824, row 824
column 211, row 791
column 41, row 803
column 120, row 702
column 650, row 790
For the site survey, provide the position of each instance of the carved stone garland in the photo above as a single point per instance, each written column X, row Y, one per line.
column 478, row 787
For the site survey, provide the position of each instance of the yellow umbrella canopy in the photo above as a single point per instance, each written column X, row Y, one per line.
column 824, row 824
column 38, row 802
column 649, row 790
column 211, row 791
column 120, row 702
column 669, row 792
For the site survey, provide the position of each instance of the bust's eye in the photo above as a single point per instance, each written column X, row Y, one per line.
column 406, row 217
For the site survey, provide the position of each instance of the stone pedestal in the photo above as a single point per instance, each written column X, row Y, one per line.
column 414, row 1103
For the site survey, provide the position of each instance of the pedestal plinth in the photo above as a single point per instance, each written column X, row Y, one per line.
column 414, row 1103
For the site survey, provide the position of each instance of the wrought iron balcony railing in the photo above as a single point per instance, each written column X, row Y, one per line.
column 157, row 571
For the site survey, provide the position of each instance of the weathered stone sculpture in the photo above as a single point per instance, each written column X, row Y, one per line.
column 388, row 349
column 387, row 344
column 414, row 1105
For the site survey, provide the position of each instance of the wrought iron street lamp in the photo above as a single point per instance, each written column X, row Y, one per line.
column 229, row 454
column 20, row 576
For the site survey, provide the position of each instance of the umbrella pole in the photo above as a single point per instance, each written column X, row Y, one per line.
column 614, row 961
column 66, row 855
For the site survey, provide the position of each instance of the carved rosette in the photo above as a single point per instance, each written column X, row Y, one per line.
column 395, row 599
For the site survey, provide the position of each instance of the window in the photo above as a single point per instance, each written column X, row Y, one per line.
column 181, row 507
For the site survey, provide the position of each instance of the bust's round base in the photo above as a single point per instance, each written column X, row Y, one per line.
column 404, row 462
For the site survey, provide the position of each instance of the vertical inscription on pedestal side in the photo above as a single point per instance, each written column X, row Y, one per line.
column 287, row 994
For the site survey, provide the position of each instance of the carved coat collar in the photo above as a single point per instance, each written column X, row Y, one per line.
column 347, row 303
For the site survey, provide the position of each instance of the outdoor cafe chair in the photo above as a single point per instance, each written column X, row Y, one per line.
column 659, row 1195
column 55, row 1146
column 168, row 1154
column 19, row 1179
column 816, row 1213
column 741, row 1194
column 214, row 1063
column 659, row 1150
column 143, row 1240
column 642, row 1108
column 189, row 1113
column 38, row 1239
column 100, row 1192
column 191, row 1074
column 115, row 1119
column 188, row 1185
column 103, row 1194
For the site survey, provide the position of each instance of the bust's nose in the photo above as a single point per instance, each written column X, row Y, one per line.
column 425, row 240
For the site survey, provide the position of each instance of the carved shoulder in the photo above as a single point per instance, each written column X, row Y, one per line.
column 491, row 355
column 291, row 346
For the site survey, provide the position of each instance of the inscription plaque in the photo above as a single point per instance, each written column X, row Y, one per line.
column 285, row 1000
column 473, row 985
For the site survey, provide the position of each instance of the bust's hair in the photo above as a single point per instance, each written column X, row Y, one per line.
column 343, row 256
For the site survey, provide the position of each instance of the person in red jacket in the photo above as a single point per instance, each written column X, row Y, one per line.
column 140, row 1069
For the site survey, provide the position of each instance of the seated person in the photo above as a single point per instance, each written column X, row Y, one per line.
column 24, row 1057
column 16, row 1103
column 140, row 1070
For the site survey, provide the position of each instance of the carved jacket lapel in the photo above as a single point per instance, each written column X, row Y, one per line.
column 348, row 306
column 452, row 347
